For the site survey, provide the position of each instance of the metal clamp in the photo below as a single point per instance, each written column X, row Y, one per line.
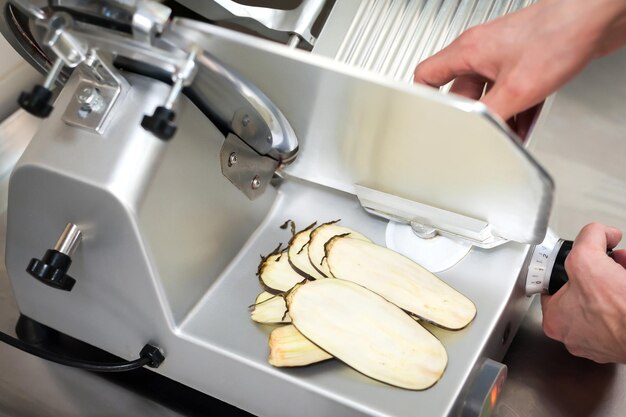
column 96, row 94
column 246, row 169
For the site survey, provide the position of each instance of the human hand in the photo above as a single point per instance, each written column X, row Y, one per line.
column 588, row 314
column 523, row 57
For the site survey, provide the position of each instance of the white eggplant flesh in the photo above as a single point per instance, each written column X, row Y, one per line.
column 269, row 308
column 276, row 273
column 400, row 281
column 367, row 332
column 320, row 236
column 289, row 348
column 299, row 256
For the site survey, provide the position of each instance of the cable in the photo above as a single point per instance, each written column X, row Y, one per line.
column 149, row 355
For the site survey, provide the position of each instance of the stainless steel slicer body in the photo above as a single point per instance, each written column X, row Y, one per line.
column 171, row 228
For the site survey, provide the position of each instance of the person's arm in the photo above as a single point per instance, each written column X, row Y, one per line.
column 525, row 56
column 588, row 314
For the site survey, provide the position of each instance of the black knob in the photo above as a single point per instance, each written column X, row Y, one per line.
column 161, row 123
column 37, row 102
column 559, row 277
column 52, row 270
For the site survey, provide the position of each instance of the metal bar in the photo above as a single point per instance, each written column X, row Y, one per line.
column 69, row 240
column 361, row 43
column 419, row 39
column 384, row 33
column 401, row 42
column 355, row 31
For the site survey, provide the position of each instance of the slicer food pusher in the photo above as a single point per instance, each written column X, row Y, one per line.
column 178, row 147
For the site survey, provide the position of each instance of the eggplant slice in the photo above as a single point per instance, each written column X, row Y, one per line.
column 299, row 256
column 400, row 281
column 276, row 273
column 288, row 347
column 320, row 236
column 270, row 308
column 367, row 332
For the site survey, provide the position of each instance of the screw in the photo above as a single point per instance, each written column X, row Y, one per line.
column 86, row 95
column 245, row 121
column 232, row 159
column 256, row 182
column 90, row 100
column 269, row 139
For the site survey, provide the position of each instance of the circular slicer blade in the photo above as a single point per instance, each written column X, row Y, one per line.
column 435, row 254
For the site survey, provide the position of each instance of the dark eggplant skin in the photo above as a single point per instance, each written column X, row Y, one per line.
column 263, row 263
column 304, row 274
column 312, row 236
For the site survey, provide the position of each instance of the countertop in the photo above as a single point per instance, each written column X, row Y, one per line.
column 582, row 144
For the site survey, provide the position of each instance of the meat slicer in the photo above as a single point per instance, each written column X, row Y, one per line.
column 177, row 146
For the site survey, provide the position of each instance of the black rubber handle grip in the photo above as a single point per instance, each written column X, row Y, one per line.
column 559, row 277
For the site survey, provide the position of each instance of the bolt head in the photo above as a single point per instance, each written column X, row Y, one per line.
column 256, row 182
column 232, row 159
column 245, row 121
column 86, row 95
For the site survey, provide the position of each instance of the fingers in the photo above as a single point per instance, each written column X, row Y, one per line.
column 506, row 99
column 619, row 256
column 598, row 237
column 440, row 69
column 456, row 60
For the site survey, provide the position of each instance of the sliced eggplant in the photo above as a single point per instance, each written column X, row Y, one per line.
column 367, row 332
column 399, row 280
column 299, row 256
column 276, row 274
column 320, row 236
column 288, row 347
column 270, row 308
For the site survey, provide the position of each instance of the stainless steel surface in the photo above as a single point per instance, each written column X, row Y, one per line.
column 92, row 103
column 390, row 37
column 222, row 91
column 294, row 41
column 250, row 172
column 15, row 133
column 69, row 240
column 543, row 381
column 63, row 43
column 147, row 276
column 446, row 223
column 149, row 19
column 375, row 129
column 549, row 382
column 276, row 24
column 233, row 99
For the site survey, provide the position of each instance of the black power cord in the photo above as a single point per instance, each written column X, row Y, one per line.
column 149, row 356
